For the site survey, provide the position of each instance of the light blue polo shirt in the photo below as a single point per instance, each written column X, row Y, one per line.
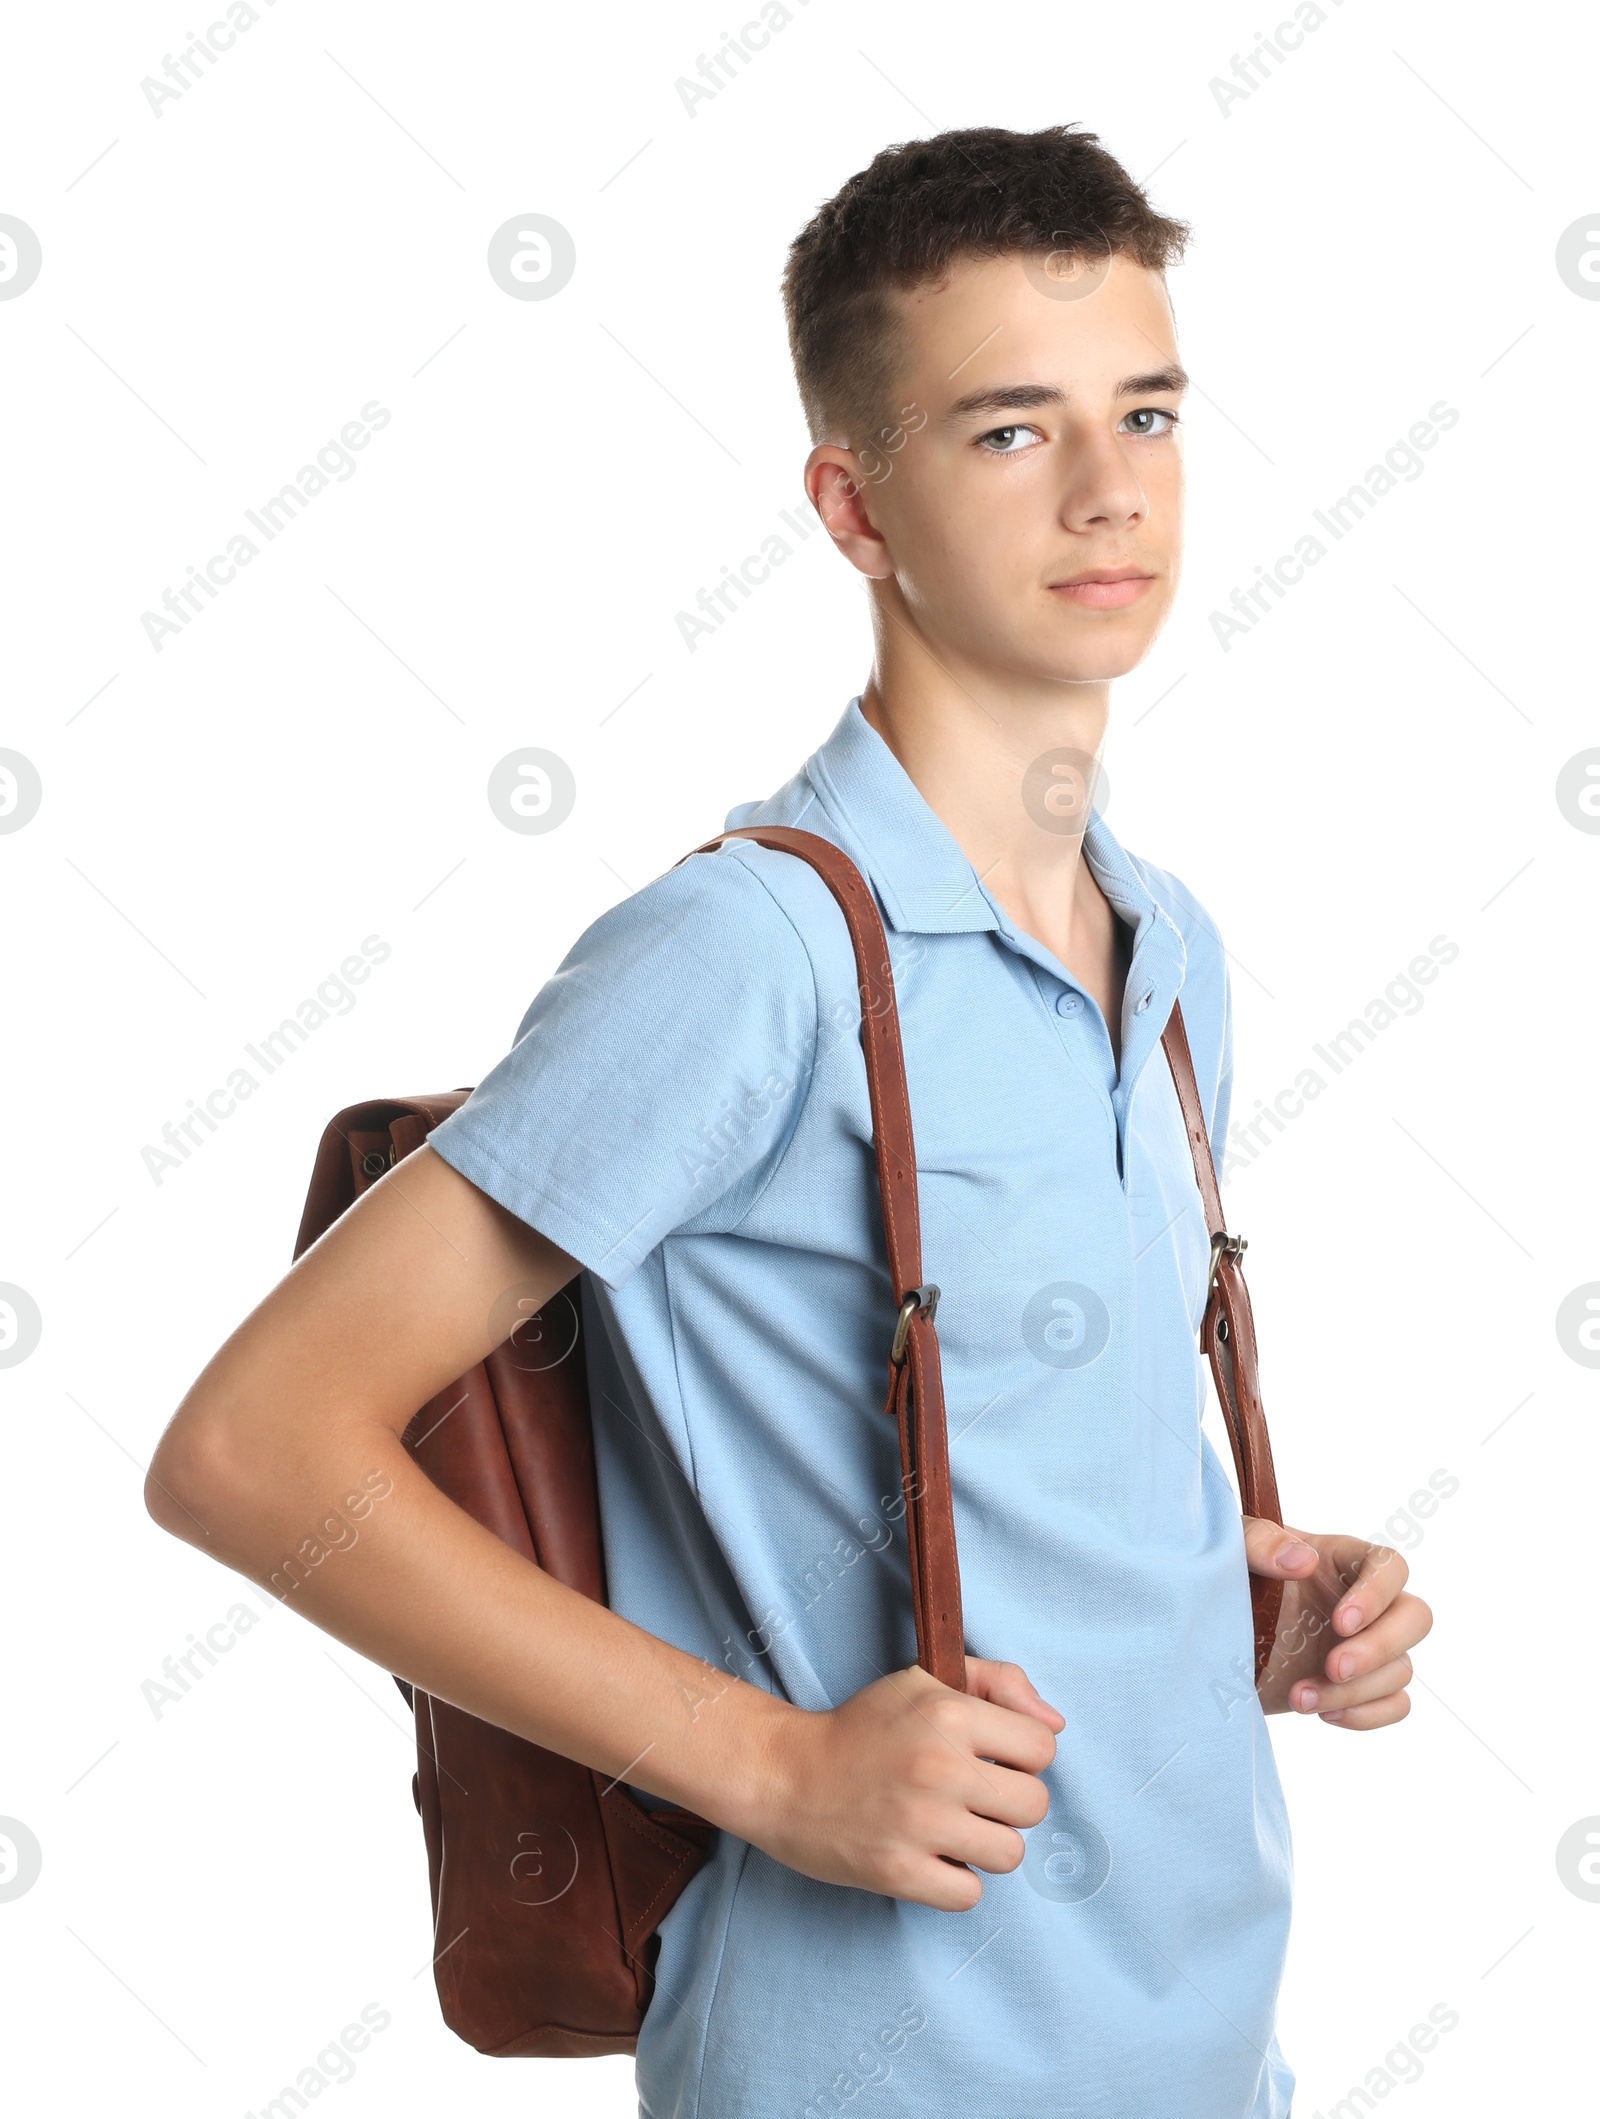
column 685, row 1111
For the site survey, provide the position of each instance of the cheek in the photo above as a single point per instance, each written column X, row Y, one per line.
column 1163, row 483
column 956, row 541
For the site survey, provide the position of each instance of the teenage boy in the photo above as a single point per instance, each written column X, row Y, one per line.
column 986, row 355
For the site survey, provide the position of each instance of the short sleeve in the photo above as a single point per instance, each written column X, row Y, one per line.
column 1222, row 1102
column 1207, row 998
column 1208, row 1018
column 656, row 1078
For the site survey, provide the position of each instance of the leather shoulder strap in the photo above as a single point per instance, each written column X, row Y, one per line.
column 1228, row 1337
column 916, row 1388
column 915, row 1383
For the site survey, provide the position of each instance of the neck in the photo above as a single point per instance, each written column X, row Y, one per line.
column 976, row 745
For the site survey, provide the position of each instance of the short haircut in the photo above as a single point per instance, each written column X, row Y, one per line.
column 914, row 210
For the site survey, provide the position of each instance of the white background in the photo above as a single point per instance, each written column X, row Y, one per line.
column 224, row 286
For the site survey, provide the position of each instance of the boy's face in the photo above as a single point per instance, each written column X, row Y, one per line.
column 1031, row 441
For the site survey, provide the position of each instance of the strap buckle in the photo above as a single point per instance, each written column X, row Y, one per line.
column 923, row 1298
column 1223, row 1244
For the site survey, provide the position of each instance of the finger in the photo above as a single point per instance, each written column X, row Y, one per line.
column 1374, row 1714
column 946, row 1885
column 1372, row 1576
column 1406, row 1622
column 942, row 1879
column 1273, row 1550
column 986, row 1846
column 1008, row 1685
column 1005, row 1797
column 1315, row 1696
column 975, row 1728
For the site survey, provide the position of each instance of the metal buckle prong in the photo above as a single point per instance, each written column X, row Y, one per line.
column 923, row 1298
column 1220, row 1243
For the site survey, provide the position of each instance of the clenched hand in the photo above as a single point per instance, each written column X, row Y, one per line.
column 1346, row 1630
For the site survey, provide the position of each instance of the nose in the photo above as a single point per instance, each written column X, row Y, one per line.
column 1102, row 488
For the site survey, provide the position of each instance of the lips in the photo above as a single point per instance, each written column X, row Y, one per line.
column 1104, row 589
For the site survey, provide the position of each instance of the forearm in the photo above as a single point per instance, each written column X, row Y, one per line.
column 416, row 1585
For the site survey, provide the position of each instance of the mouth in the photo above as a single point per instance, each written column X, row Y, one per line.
column 1105, row 588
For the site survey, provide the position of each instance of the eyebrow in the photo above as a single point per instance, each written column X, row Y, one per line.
column 1028, row 397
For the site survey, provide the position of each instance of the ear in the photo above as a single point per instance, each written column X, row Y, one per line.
column 837, row 488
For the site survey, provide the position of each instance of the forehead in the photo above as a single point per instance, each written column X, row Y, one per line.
column 1051, row 319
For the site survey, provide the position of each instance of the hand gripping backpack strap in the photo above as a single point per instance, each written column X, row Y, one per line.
column 915, row 1382
column 1228, row 1338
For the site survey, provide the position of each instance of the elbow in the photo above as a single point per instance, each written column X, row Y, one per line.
column 188, row 1486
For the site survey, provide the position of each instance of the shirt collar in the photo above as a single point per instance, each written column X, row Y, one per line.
column 925, row 883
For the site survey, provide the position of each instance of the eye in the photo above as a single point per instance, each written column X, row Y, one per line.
column 1151, row 413
column 1009, row 441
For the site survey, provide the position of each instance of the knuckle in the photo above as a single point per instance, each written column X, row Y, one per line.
column 947, row 1713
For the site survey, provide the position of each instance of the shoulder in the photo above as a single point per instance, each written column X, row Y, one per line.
column 1206, row 958
column 1205, row 997
column 761, row 905
column 739, row 946
column 733, row 908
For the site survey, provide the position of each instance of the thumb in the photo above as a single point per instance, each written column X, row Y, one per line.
column 1008, row 1685
column 1273, row 1550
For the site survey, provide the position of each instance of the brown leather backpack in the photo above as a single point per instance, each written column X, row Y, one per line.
column 549, row 1881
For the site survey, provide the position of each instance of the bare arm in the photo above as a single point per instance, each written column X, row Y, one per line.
column 305, row 1404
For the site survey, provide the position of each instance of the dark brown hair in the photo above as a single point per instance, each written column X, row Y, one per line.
column 916, row 208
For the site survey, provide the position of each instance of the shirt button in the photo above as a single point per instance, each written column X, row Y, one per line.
column 1069, row 1003
column 1142, row 1003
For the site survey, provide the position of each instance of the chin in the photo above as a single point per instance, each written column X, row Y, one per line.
column 1095, row 661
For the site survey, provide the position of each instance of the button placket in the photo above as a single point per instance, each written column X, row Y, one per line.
column 1157, row 966
column 1074, row 1009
